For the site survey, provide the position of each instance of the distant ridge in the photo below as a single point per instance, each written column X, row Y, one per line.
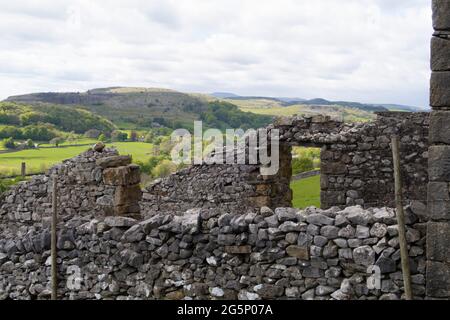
column 143, row 108
column 224, row 95
column 286, row 101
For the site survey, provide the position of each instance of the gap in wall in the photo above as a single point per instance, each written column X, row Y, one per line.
column 305, row 184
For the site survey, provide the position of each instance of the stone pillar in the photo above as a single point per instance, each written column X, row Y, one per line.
column 438, row 230
column 125, row 178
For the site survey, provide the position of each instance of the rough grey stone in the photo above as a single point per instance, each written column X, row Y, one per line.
column 439, row 125
column 120, row 222
column 362, row 232
column 364, row 255
column 440, row 51
column 438, row 279
column 439, row 89
column 386, row 265
column 319, row 219
column 378, row 230
column 441, row 18
column 438, row 241
column 331, row 232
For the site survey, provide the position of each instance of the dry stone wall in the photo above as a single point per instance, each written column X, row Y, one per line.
column 356, row 167
column 203, row 254
column 356, row 159
column 94, row 184
column 222, row 187
column 438, row 242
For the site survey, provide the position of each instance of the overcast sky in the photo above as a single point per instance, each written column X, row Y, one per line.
column 360, row 50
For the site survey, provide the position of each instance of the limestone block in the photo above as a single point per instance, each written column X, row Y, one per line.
column 333, row 197
column 439, row 210
column 438, row 279
column 238, row 249
column 440, row 89
column 333, row 168
column 113, row 161
column 441, row 14
column 122, row 176
column 119, row 222
column 99, row 146
column 440, row 126
column 263, row 201
column 300, row 252
column 127, row 195
column 439, row 163
column 440, row 54
column 132, row 210
column 438, row 191
column 438, row 241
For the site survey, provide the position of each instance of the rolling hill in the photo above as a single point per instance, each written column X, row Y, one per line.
column 144, row 108
column 43, row 121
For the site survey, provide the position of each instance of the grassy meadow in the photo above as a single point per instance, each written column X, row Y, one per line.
column 306, row 192
column 80, row 141
column 273, row 108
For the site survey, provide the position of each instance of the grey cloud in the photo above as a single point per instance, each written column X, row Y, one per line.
column 163, row 13
column 329, row 48
column 39, row 9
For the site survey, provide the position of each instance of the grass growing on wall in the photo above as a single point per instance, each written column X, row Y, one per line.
column 306, row 192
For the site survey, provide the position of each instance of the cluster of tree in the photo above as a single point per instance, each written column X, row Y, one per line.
column 156, row 135
column 224, row 115
column 65, row 118
column 305, row 159
column 116, row 135
column 9, row 143
column 40, row 132
column 158, row 166
column 300, row 165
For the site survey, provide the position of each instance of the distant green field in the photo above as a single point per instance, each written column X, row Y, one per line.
column 273, row 108
column 39, row 160
column 72, row 142
column 306, row 192
column 140, row 151
column 275, row 111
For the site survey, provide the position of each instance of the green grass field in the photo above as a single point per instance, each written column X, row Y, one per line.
column 39, row 160
column 272, row 108
column 306, row 192
column 72, row 142
column 140, row 151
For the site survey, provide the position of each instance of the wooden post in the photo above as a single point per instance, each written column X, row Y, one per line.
column 401, row 219
column 53, row 245
column 23, row 170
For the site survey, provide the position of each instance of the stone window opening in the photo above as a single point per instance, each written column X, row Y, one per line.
column 305, row 179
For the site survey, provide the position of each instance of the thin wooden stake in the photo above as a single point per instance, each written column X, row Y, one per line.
column 53, row 248
column 401, row 219
column 23, row 170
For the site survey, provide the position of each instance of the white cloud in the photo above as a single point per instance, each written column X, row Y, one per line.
column 365, row 50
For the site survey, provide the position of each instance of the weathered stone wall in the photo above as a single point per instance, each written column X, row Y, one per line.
column 438, row 242
column 356, row 166
column 93, row 184
column 222, row 187
column 359, row 170
column 312, row 254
